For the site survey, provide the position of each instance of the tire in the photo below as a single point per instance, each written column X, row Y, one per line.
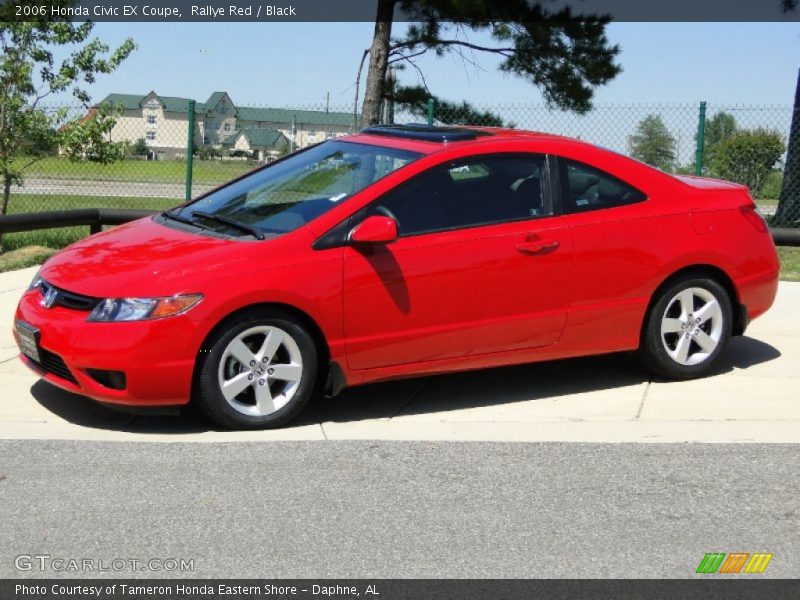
column 675, row 344
column 258, row 371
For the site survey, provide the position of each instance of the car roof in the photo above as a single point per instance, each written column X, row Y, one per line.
column 427, row 139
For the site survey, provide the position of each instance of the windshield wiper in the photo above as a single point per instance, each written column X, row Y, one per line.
column 180, row 219
column 254, row 231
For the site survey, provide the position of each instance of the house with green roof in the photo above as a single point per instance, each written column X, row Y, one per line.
column 163, row 122
column 262, row 144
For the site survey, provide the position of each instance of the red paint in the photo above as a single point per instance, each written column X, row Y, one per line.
column 469, row 298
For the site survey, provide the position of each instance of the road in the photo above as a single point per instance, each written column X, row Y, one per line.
column 116, row 189
column 401, row 509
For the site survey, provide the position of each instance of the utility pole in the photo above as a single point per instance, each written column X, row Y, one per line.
column 327, row 115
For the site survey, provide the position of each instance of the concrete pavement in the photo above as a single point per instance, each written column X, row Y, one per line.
column 753, row 397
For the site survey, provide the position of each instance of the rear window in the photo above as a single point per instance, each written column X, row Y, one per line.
column 586, row 188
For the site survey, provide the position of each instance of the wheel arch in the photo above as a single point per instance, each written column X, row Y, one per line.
column 280, row 308
column 704, row 270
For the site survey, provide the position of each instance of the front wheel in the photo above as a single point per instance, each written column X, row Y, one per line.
column 259, row 372
column 687, row 328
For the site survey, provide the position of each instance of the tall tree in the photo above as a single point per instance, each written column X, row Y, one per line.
column 717, row 129
column 30, row 73
column 653, row 144
column 563, row 54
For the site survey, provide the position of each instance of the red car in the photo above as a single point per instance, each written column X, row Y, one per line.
column 396, row 252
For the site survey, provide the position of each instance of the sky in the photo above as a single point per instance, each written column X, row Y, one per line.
column 295, row 64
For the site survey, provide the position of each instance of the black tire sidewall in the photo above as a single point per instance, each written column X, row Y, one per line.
column 655, row 355
column 209, row 397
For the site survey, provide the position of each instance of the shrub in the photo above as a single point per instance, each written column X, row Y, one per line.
column 748, row 157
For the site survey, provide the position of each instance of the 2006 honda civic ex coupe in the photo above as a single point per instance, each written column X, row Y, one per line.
column 395, row 252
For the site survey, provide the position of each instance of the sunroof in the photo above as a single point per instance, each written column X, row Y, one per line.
column 426, row 133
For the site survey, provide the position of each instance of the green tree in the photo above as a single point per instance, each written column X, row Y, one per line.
column 653, row 144
column 563, row 54
column 139, row 148
column 208, row 153
column 415, row 99
column 717, row 129
column 748, row 157
column 30, row 73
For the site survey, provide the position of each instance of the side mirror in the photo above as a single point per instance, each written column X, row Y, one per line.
column 376, row 229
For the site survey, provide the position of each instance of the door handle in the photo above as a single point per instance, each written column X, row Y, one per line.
column 537, row 246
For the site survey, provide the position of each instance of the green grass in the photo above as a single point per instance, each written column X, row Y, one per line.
column 790, row 263
column 161, row 171
column 24, row 257
column 22, row 203
column 58, row 238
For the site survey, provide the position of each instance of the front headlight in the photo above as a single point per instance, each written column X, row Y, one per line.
column 139, row 309
column 36, row 282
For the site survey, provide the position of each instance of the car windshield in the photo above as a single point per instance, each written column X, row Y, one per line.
column 294, row 191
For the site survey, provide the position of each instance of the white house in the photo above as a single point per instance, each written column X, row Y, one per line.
column 163, row 122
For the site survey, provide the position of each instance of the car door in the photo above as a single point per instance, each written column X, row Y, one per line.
column 480, row 266
column 618, row 249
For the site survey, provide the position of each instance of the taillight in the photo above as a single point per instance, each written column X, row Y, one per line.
column 751, row 214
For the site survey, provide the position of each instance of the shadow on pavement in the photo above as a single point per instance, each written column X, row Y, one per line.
column 485, row 388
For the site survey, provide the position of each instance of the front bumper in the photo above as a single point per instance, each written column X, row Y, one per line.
column 157, row 357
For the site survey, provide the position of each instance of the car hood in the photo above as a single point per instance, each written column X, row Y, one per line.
column 145, row 258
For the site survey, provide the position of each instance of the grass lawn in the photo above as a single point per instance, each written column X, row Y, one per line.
column 162, row 171
column 24, row 257
column 58, row 238
column 790, row 263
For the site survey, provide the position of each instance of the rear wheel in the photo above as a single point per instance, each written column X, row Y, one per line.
column 687, row 328
column 259, row 372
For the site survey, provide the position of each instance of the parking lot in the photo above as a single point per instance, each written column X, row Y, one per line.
column 753, row 397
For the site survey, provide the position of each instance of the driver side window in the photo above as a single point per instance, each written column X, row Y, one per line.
column 468, row 193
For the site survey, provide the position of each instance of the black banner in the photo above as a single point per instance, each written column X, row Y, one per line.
column 365, row 10
column 398, row 589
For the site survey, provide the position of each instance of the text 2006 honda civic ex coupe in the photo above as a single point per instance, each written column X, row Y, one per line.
column 399, row 251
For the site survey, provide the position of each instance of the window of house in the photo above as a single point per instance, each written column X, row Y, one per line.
column 226, row 127
column 468, row 193
column 151, row 119
column 587, row 188
column 150, row 135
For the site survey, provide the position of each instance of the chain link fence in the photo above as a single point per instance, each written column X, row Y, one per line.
column 741, row 143
column 746, row 144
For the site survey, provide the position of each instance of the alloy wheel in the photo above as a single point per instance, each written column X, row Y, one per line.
column 692, row 326
column 260, row 370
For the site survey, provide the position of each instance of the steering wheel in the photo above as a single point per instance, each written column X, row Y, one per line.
column 386, row 212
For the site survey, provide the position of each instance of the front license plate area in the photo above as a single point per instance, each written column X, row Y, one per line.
column 28, row 337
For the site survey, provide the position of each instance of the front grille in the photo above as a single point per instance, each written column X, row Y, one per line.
column 53, row 363
column 69, row 299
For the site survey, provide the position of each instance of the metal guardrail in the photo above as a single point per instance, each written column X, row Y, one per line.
column 785, row 236
column 95, row 218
